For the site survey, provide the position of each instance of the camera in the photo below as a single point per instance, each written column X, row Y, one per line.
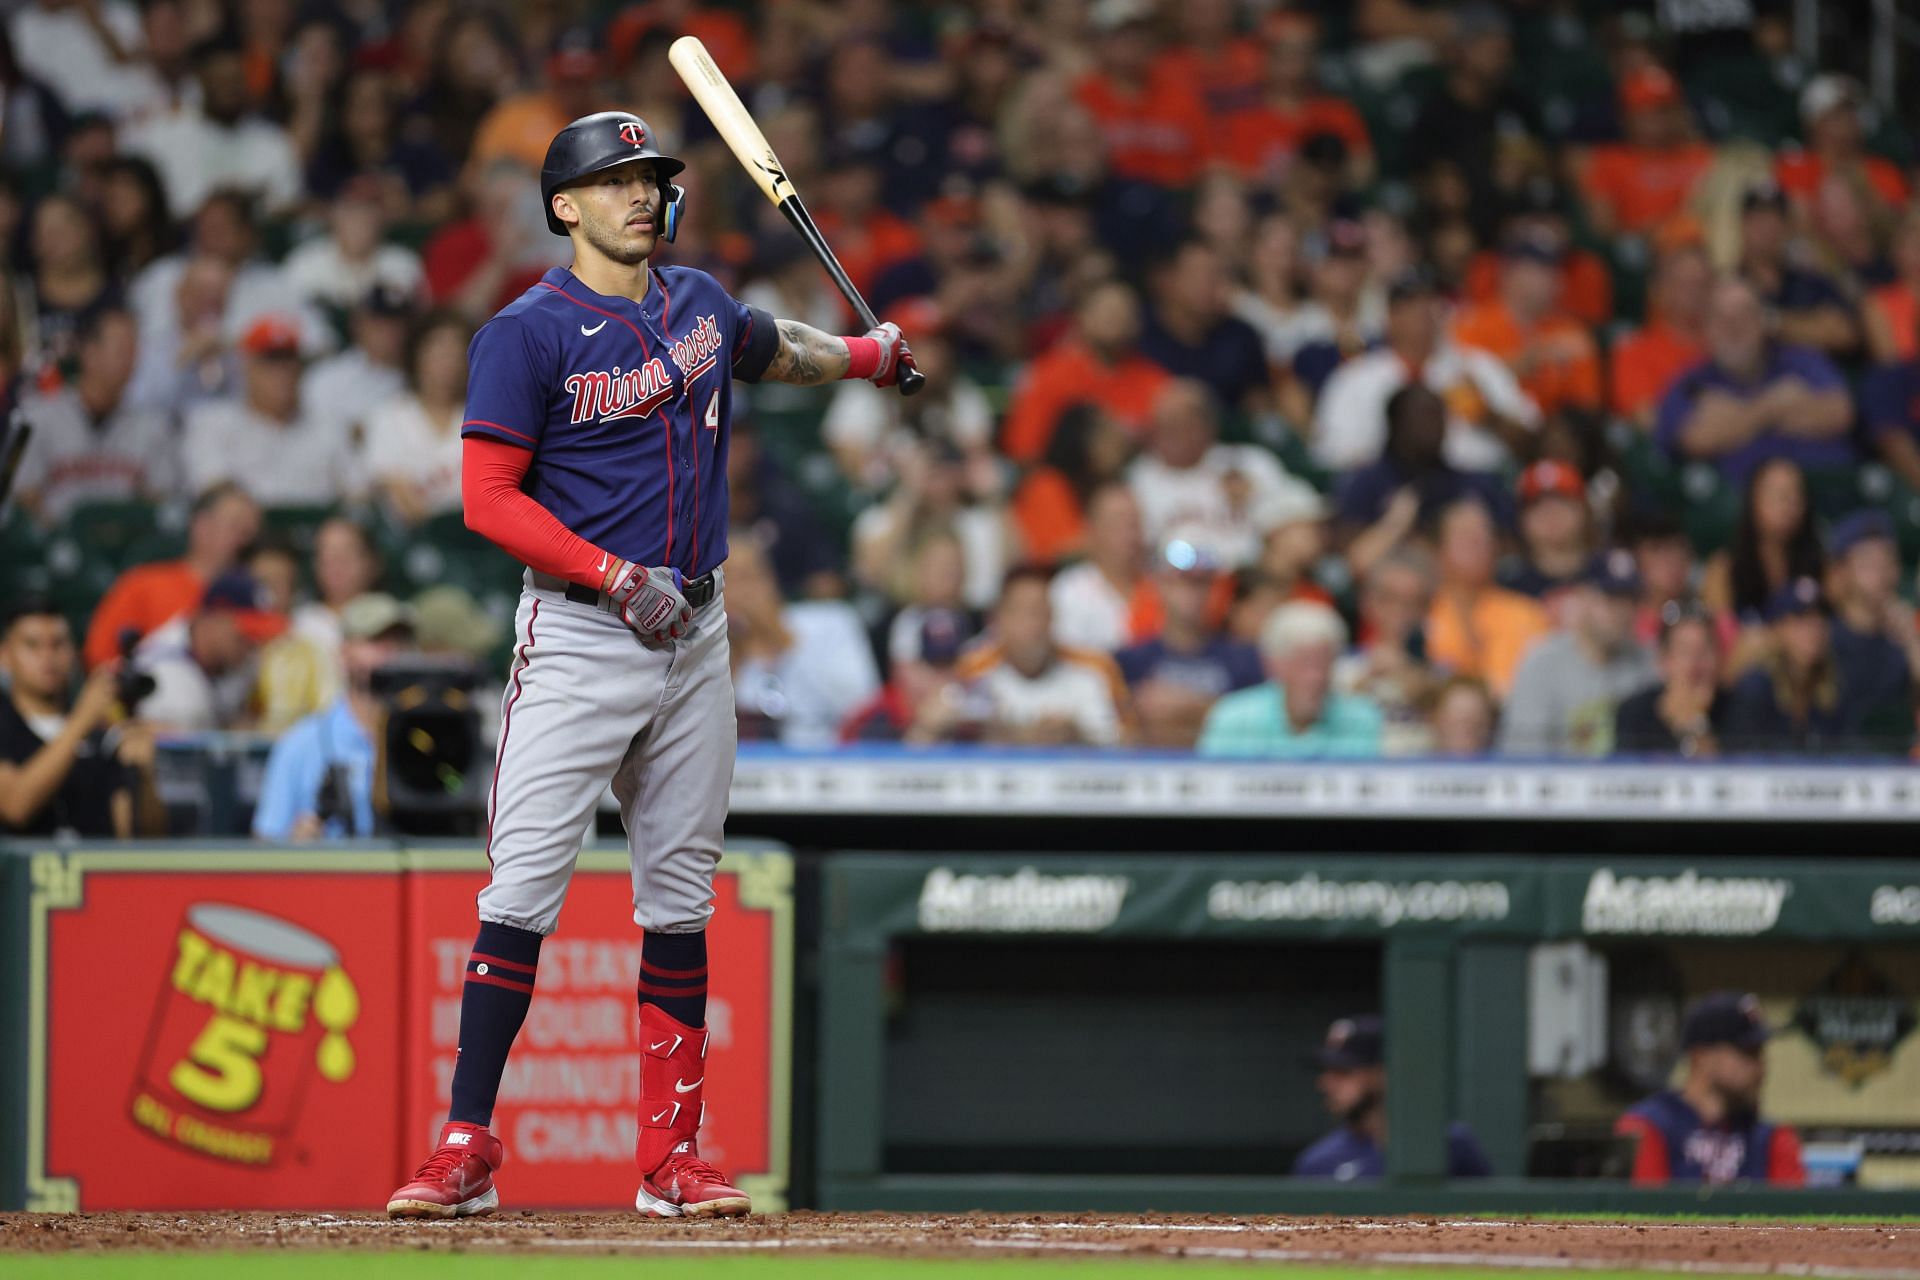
column 131, row 686
column 431, row 752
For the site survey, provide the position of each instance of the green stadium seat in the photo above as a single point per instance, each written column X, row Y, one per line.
column 1710, row 507
column 1837, row 491
column 442, row 549
column 23, row 557
column 121, row 533
column 1904, row 506
column 1651, row 478
column 1629, row 262
column 295, row 526
column 20, row 538
column 1739, row 96
column 1558, row 63
column 74, row 580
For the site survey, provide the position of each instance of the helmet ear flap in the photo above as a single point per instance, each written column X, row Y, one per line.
column 675, row 208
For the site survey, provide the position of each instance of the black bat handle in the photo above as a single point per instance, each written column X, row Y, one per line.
column 910, row 379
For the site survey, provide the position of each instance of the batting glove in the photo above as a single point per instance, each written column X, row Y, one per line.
column 649, row 601
column 895, row 354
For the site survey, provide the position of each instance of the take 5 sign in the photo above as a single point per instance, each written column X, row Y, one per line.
column 257, row 1030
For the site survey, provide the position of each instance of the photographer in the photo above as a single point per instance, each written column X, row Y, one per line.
column 64, row 765
column 320, row 776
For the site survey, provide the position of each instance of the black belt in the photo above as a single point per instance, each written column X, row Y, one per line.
column 698, row 591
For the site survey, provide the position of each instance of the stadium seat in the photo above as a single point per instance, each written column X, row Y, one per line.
column 1837, row 491
column 1652, row 480
column 120, row 533
column 23, row 566
column 74, row 580
column 295, row 526
column 1739, row 96
column 1711, row 506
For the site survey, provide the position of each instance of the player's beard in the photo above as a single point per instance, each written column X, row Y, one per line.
column 1362, row 1109
column 612, row 241
column 1739, row 1106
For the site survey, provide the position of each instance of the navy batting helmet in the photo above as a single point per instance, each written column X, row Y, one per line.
column 601, row 141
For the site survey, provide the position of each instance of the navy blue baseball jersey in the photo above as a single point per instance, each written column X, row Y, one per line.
column 1348, row 1156
column 1675, row 1145
column 626, row 407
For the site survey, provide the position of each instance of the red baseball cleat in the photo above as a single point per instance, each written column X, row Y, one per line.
column 685, row 1186
column 457, row 1179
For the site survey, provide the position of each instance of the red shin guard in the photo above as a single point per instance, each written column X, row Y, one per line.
column 673, row 1071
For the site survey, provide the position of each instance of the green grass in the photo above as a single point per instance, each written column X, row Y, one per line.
column 522, row 1266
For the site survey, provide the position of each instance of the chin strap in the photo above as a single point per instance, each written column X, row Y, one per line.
column 675, row 206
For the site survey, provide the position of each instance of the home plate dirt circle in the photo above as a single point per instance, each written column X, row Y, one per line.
column 1838, row 1251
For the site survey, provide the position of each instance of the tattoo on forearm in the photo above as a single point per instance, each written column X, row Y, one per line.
column 807, row 357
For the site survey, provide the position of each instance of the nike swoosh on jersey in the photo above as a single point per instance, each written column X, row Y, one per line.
column 682, row 1087
column 588, row 333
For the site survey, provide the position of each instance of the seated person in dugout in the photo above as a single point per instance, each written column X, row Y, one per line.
column 1353, row 1082
column 1709, row 1129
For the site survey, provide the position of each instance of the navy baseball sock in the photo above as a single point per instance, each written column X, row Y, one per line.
column 492, row 1007
column 673, row 975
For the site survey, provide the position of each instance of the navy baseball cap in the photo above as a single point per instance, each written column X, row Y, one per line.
column 1352, row 1043
column 240, row 593
column 1614, row 572
column 1861, row 526
column 1801, row 595
column 1724, row 1017
column 943, row 633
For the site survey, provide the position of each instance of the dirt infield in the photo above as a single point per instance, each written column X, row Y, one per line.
column 1745, row 1248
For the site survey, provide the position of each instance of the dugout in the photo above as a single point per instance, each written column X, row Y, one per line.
column 1125, row 1033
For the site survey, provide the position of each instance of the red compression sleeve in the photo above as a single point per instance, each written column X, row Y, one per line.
column 496, row 509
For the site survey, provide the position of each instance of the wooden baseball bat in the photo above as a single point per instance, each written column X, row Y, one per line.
column 735, row 124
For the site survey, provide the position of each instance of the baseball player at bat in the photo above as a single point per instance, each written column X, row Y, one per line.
column 598, row 416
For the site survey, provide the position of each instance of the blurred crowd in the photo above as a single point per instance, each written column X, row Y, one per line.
column 1385, row 378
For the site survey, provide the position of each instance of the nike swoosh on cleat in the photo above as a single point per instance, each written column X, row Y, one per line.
column 588, row 333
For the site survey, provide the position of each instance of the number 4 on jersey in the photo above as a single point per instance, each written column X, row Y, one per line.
column 713, row 410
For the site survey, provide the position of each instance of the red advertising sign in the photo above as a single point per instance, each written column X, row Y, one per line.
column 258, row 1030
column 222, row 1038
column 568, row 1102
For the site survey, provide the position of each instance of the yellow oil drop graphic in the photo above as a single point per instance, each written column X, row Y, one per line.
column 336, row 1005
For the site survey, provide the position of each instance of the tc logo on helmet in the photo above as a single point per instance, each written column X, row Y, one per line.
column 635, row 132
